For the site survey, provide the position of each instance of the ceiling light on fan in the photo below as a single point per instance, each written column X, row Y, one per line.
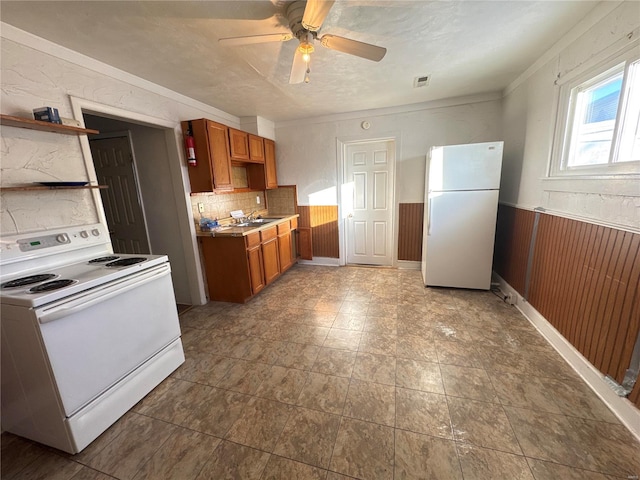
column 305, row 20
column 306, row 47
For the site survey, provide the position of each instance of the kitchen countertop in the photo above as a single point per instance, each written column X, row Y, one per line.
column 233, row 231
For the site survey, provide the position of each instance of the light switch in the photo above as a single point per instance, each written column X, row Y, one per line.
column 200, row 207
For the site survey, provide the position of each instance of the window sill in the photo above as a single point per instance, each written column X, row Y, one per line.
column 621, row 186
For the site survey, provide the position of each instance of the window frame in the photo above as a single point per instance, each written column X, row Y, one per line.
column 565, row 114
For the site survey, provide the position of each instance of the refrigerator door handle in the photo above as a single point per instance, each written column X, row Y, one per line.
column 428, row 216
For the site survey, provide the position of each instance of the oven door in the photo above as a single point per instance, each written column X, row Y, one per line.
column 96, row 338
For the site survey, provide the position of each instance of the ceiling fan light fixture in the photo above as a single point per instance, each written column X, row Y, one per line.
column 305, row 48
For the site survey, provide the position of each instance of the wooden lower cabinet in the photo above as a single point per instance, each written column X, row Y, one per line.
column 237, row 268
column 270, row 257
column 285, row 247
column 255, row 262
column 227, row 268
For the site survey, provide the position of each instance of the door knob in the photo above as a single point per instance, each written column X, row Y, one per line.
column 351, row 215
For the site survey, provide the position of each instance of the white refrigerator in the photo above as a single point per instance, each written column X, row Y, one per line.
column 461, row 204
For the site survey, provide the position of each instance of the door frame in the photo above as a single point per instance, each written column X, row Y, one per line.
column 120, row 134
column 179, row 178
column 341, row 146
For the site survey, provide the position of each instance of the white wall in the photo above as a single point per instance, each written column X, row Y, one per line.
column 34, row 77
column 35, row 73
column 307, row 149
column 529, row 120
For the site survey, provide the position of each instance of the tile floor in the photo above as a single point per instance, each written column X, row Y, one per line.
column 337, row 373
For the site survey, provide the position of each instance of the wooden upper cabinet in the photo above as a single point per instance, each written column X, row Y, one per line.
column 213, row 169
column 238, row 145
column 270, row 163
column 256, row 149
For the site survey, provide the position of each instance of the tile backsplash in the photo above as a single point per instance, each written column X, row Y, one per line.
column 220, row 206
column 282, row 200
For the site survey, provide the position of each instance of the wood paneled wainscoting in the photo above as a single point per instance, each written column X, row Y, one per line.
column 323, row 221
column 410, row 221
column 582, row 278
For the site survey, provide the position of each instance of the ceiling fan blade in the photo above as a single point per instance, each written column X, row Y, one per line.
column 298, row 68
column 315, row 12
column 353, row 47
column 269, row 37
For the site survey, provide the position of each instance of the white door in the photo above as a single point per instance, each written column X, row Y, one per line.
column 369, row 174
column 113, row 161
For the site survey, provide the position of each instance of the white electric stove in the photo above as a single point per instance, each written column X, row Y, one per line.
column 86, row 333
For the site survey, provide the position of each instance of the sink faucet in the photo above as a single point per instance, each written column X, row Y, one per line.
column 251, row 217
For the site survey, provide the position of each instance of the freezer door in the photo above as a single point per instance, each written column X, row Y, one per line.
column 465, row 167
column 460, row 231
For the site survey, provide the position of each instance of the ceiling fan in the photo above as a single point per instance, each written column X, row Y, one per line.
column 305, row 20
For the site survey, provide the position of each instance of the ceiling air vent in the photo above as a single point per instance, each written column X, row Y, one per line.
column 421, row 81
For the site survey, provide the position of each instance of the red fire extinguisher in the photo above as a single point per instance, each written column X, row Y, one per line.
column 190, row 146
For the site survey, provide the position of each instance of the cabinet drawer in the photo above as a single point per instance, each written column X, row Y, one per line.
column 268, row 234
column 283, row 228
column 294, row 223
column 253, row 239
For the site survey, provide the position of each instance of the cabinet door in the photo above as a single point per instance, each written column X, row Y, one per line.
column 238, row 145
column 256, row 272
column 213, row 168
column 256, row 149
column 219, row 156
column 270, row 260
column 270, row 163
column 285, row 251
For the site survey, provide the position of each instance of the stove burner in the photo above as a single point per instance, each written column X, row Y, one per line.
column 104, row 259
column 21, row 282
column 125, row 262
column 53, row 285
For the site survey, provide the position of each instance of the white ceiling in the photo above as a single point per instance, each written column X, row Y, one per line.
column 467, row 47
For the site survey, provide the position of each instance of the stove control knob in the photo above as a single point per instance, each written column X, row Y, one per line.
column 95, row 232
column 62, row 238
column 84, row 234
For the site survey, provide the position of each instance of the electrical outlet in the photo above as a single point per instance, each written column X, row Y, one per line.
column 201, row 207
column 258, row 199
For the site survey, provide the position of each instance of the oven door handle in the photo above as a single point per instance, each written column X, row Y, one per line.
column 74, row 306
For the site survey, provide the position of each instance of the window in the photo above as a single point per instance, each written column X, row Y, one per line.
column 599, row 120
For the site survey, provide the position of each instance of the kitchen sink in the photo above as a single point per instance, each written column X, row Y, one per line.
column 263, row 220
column 258, row 222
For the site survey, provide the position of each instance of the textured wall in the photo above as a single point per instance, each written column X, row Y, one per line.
column 32, row 78
column 310, row 159
column 528, row 126
column 307, row 149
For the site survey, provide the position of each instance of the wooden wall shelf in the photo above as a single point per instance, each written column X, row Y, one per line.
column 43, row 187
column 31, row 124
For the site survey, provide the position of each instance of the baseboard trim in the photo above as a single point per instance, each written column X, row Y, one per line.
column 621, row 407
column 321, row 261
column 409, row 265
